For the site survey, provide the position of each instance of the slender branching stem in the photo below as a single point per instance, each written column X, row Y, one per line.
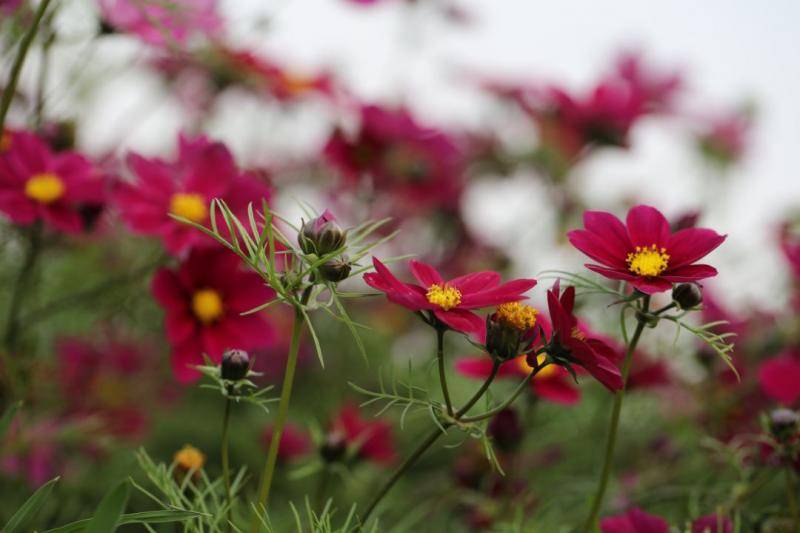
column 440, row 331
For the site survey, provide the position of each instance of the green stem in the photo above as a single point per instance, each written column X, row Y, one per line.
column 591, row 522
column 322, row 487
column 442, row 374
column 492, row 412
column 226, row 470
column 19, row 60
column 791, row 498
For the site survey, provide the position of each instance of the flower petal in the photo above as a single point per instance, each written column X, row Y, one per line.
column 475, row 282
column 647, row 226
column 426, row 275
column 652, row 285
column 689, row 273
column 596, row 248
column 462, row 320
column 507, row 292
column 690, row 244
column 610, row 230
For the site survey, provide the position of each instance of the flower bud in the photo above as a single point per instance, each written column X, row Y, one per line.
column 508, row 329
column 784, row 423
column 321, row 235
column 687, row 295
column 506, row 430
column 334, row 447
column 335, row 270
column 235, row 365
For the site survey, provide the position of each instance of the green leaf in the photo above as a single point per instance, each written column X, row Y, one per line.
column 30, row 508
column 145, row 517
column 8, row 417
column 108, row 514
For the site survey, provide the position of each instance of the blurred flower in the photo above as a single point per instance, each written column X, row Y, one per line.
column 188, row 460
column 163, row 23
column 413, row 168
column 723, row 139
column 9, row 6
column 450, row 301
column 203, row 301
column 371, row 439
column 204, row 170
column 37, row 184
column 645, row 253
column 569, row 344
column 779, row 377
column 295, row 442
column 712, row 523
column 634, row 521
column 505, row 429
column 655, row 90
column 790, row 246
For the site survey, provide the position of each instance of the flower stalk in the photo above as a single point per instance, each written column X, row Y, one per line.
column 226, row 470
column 440, row 331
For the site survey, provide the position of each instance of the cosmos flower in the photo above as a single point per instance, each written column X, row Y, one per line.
column 634, row 521
column 38, row 184
column 203, row 301
column 655, row 89
column 450, row 302
column 368, row 439
column 295, row 442
column 646, row 253
column 163, row 23
column 779, row 378
column 203, row 170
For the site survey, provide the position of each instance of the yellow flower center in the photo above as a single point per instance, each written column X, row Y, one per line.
column 5, row 141
column 519, row 316
column 444, row 296
column 207, row 305
column 190, row 458
column 191, row 206
column 44, row 187
column 547, row 371
column 648, row 261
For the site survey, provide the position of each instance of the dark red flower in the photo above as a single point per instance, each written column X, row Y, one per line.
column 369, row 439
column 568, row 343
column 634, row 521
column 644, row 252
column 780, row 378
column 450, row 301
column 203, row 301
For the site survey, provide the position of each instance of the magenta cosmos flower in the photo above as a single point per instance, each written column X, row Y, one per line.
column 163, row 23
column 203, row 301
column 204, row 170
column 644, row 251
column 451, row 302
column 779, row 378
column 634, row 521
column 38, row 184
column 367, row 439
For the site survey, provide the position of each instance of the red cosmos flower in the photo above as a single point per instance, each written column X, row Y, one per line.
column 163, row 23
column 450, row 301
column 370, row 439
column 203, row 300
column 204, row 170
column 37, row 184
column 634, row 521
column 295, row 442
column 779, row 378
column 646, row 253
column 415, row 167
column 570, row 343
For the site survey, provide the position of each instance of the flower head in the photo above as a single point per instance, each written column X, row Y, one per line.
column 779, row 378
column 204, row 300
column 451, row 301
column 366, row 439
column 295, row 442
column 644, row 251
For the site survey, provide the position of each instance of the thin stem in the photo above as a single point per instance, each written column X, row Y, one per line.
column 442, row 374
column 612, row 432
column 226, row 470
column 492, row 412
column 19, row 60
column 479, row 393
column 791, row 498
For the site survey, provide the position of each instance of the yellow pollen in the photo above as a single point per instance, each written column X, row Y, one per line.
column 44, row 188
column 444, row 296
column 648, row 261
column 207, row 305
column 189, row 458
column 519, row 316
column 578, row 334
column 191, row 206
column 5, row 141
column 547, row 371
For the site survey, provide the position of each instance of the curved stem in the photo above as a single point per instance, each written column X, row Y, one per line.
column 226, row 471
column 19, row 60
column 492, row 412
column 479, row 393
column 614, row 425
column 442, row 374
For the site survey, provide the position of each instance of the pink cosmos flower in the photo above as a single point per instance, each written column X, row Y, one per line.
column 779, row 378
column 451, row 302
column 163, row 23
column 411, row 166
column 371, row 439
column 204, row 170
column 37, row 184
column 203, row 301
column 646, row 253
column 634, row 521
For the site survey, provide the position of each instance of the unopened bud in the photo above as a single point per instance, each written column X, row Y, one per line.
column 335, row 270
column 235, row 365
column 334, row 447
column 687, row 295
column 784, row 423
column 321, row 235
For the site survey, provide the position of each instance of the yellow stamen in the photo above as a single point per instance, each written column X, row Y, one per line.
column 547, row 371
column 648, row 261
column 444, row 296
column 519, row 316
column 191, row 206
column 207, row 305
column 44, row 187
column 189, row 458
column 578, row 334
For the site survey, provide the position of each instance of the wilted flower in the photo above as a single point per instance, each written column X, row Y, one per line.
column 203, row 301
column 450, row 301
column 163, row 23
column 646, row 253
